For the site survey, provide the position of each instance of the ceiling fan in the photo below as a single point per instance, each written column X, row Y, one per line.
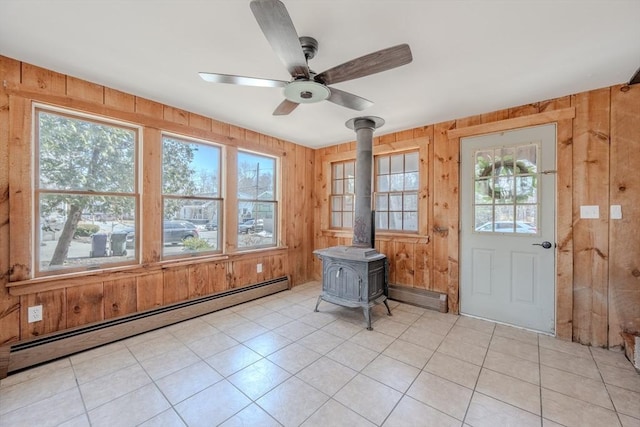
column 305, row 85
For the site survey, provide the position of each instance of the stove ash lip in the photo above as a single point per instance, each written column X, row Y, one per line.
column 354, row 252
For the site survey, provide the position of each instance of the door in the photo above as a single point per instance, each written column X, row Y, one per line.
column 507, row 245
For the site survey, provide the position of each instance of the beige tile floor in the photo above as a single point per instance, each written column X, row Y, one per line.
column 275, row 362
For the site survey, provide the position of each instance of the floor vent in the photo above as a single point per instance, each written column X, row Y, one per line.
column 419, row 297
column 52, row 346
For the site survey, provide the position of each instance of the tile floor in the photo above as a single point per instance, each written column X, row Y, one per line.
column 275, row 362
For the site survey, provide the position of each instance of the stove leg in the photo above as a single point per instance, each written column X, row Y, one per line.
column 388, row 309
column 318, row 303
column 367, row 317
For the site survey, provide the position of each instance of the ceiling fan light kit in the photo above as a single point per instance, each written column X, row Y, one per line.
column 306, row 87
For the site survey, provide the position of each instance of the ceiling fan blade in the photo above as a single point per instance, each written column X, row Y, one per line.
column 348, row 100
column 276, row 24
column 372, row 63
column 241, row 80
column 285, row 108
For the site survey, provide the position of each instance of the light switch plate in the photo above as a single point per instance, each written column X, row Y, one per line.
column 616, row 212
column 590, row 212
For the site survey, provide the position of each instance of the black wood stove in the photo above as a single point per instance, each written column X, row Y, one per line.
column 356, row 276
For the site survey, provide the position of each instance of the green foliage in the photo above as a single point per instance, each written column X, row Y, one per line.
column 196, row 244
column 86, row 230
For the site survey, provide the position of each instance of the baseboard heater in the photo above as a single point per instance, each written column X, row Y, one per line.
column 59, row 344
column 419, row 297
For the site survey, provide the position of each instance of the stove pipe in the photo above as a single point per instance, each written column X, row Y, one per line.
column 363, row 219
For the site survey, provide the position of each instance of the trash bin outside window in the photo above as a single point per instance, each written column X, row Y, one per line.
column 118, row 244
column 98, row 245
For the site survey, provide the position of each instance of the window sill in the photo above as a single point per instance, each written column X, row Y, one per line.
column 61, row 281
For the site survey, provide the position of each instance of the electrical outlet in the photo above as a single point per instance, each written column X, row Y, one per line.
column 259, row 268
column 34, row 313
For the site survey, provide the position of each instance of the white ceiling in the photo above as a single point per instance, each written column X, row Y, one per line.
column 469, row 57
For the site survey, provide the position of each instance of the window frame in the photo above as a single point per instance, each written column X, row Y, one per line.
column 37, row 191
column 220, row 200
column 276, row 202
column 333, row 195
column 402, row 193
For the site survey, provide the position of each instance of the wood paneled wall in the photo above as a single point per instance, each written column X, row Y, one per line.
column 80, row 299
column 598, row 162
column 598, row 261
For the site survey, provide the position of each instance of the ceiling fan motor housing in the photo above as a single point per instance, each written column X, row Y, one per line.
column 306, row 92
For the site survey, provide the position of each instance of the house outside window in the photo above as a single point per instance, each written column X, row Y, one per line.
column 396, row 191
column 342, row 194
column 257, row 200
column 192, row 200
column 85, row 192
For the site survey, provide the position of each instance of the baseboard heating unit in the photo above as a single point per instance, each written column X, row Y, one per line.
column 59, row 344
column 419, row 297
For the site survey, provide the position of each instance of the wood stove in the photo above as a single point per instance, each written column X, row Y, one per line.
column 357, row 275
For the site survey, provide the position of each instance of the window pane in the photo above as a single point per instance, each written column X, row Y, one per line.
column 483, row 191
column 256, row 176
column 505, row 213
column 349, row 185
column 410, row 202
column 395, row 202
column 484, row 218
column 260, row 229
column 349, row 169
column 411, row 162
column 190, row 168
column 382, row 202
column 397, row 163
column 396, row 182
column 82, row 155
column 526, row 189
column 411, row 181
column 383, row 165
column 383, row 183
column 484, row 164
column 410, row 221
column 104, row 231
column 527, row 219
column 347, row 203
column 347, row 219
column 336, row 203
column 503, row 189
column 382, row 220
column 336, row 219
column 191, row 226
column 395, row 220
column 338, row 187
column 338, row 169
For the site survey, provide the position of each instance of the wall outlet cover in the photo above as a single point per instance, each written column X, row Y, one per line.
column 590, row 212
column 34, row 313
column 616, row 212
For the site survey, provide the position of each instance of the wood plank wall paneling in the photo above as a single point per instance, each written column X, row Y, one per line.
column 597, row 259
column 624, row 233
column 9, row 305
column 82, row 300
column 598, row 272
column 591, row 236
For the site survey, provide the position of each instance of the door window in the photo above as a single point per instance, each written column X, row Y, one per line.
column 506, row 189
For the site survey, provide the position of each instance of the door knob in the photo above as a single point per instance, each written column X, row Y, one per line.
column 544, row 244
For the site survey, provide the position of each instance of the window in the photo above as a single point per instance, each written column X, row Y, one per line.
column 342, row 194
column 506, row 190
column 396, row 187
column 85, row 191
column 257, row 200
column 192, row 203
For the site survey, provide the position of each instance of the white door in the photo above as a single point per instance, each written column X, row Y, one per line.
column 507, row 240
